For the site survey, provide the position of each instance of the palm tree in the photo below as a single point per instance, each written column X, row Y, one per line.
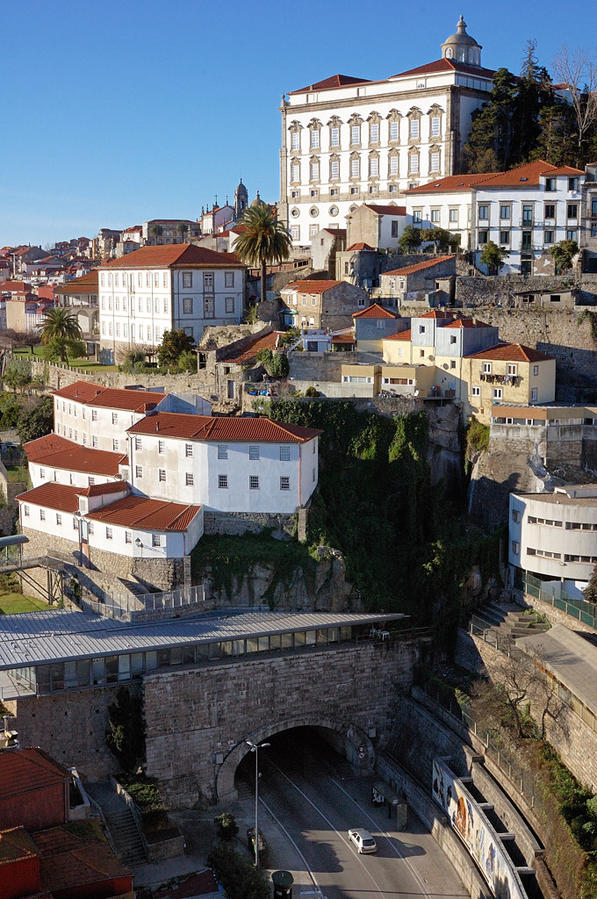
column 264, row 240
column 61, row 330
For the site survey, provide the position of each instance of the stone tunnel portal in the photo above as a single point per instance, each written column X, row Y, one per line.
column 349, row 741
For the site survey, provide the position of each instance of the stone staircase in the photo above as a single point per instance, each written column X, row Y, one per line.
column 120, row 822
column 508, row 621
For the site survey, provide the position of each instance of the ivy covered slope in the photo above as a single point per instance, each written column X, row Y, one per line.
column 403, row 539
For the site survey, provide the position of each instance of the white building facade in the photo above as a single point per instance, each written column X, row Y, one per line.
column 158, row 289
column 526, row 211
column 348, row 140
column 554, row 535
column 224, row 464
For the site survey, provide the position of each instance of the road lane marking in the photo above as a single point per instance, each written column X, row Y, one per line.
column 327, row 820
column 282, row 828
column 385, row 834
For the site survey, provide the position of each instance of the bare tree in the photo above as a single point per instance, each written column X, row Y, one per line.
column 578, row 72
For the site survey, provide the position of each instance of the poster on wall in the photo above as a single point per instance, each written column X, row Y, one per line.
column 476, row 833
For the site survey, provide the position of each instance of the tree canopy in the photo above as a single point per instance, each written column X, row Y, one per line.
column 174, row 344
column 264, row 241
column 61, row 335
column 492, row 256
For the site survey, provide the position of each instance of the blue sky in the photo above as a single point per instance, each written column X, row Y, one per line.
column 116, row 112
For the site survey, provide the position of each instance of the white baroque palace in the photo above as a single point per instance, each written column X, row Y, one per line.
column 346, row 139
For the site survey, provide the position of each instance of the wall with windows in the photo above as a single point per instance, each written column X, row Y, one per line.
column 554, row 535
column 131, row 542
column 41, row 473
column 449, row 210
column 355, row 144
column 491, row 381
column 137, row 306
column 94, row 427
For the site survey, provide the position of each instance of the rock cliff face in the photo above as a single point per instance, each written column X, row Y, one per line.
column 325, row 589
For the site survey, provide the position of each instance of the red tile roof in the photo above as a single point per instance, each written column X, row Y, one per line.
column 265, row 342
column 522, row 176
column 24, row 770
column 85, row 284
column 51, row 495
column 401, row 335
column 146, row 514
column 307, row 286
column 437, row 314
column 390, row 209
column 71, row 861
column 110, row 397
column 375, row 311
column 218, row 429
column 340, row 232
column 331, row 82
column 175, row 254
column 419, row 266
column 344, row 338
column 446, row 65
column 359, row 246
column 58, row 452
column 468, row 323
column 15, row 287
column 15, row 845
column 103, row 489
column 449, row 184
column 511, row 352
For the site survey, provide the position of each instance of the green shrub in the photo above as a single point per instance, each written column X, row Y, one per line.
column 227, row 826
column 239, row 878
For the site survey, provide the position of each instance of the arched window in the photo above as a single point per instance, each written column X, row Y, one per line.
column 295, row 170
column 414, row 124
column 393, row 118
column 355, row 122
column 314, row 134
column 295, row 136
column 374, row 164
column 374, row 121
column 413, row 162
column 393, row 164
column 335, row 133
column 435, row 160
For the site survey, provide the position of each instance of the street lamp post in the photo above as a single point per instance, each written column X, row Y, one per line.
column 255, row 747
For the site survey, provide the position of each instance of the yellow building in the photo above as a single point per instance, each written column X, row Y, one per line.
column 408, row 380
column 361, row 380
column 508, row 373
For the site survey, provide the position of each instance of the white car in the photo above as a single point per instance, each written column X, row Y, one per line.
column 363, row 840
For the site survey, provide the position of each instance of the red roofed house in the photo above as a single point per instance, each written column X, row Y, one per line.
column 321, row 304
column 348, row 140
column 160, row 288
column 374, row 323
column 526, row 211
column 34, row 790
column 377, row 225
column 430, row 282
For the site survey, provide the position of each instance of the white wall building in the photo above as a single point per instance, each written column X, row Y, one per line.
column 112, row 519
column 526, row 211
column 232, row 464
column 158, row 289
column 348, row 140
column 554, row 535
column 53, row 458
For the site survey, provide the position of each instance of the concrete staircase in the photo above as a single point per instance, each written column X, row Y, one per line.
column 120, row 822
column 508, row 621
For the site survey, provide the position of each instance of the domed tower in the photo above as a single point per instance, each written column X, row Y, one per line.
column 461, row 47
column 257, row 202
column 241, row 199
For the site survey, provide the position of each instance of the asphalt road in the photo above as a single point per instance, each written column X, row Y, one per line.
column 308, row 802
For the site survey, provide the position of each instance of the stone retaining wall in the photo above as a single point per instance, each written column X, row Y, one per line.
column 158, row 574
column 237, row 523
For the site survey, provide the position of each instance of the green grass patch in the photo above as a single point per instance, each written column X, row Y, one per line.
column 83, row 362
column 15, row 603
column 18, row 474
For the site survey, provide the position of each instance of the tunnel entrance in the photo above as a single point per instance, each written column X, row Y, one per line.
column 300, row 742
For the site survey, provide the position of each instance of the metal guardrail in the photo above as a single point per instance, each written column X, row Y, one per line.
column 579, row 609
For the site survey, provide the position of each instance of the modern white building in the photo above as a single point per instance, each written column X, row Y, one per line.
column 227, row 464
column 162, row 288
column 526, row 211
column 348, row 140
column 553, row 536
